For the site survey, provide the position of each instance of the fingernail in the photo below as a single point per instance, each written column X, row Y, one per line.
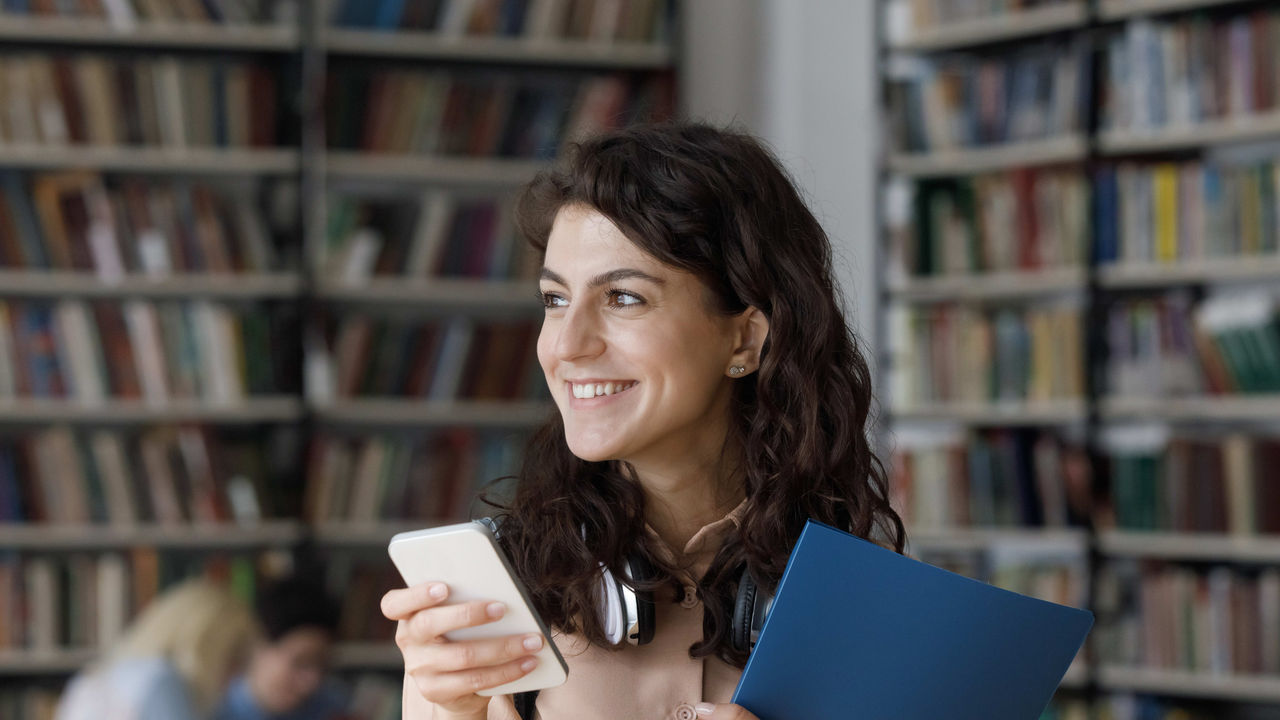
column 533, row 642
column 495, row 610
column 704, row 708
column 528, row 665
column 438, row 591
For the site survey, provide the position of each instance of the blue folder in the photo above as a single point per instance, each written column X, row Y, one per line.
column 858, row 631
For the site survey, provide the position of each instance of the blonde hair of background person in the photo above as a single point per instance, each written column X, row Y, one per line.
column 198, row 628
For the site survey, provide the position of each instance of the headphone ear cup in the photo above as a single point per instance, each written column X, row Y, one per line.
column 743, row 613
column 640, row 628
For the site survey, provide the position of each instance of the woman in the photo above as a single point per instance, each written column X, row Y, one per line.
column 173, row 663
column 711, row 399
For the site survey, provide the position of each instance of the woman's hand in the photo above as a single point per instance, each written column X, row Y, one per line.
column 723, row 711
column 447, row 673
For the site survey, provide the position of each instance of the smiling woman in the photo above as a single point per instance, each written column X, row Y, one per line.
column 710, row 399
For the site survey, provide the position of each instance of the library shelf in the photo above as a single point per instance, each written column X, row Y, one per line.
column 157, row 160
column 1227, row 408
column 1055, row 412
column 1189, row 546
column 441, row 294
column 991, row 286
column 429, row 169
column 1121, row 9
column 480, row 48
column 975, row 539
column 53, row 661
column 996, row 28
column 41, row 411
column 1189, row 137
column 371, row 655
column 260, row 37
column 1186, row 683
column 393, row 412
column 968, row 161
column 63, row 283
column 377, row 533
column 53, row 536
column 1210, row 270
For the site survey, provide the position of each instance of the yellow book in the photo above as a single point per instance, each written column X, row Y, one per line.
column 1166, row 212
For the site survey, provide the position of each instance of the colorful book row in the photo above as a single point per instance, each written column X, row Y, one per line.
column 1037, row 92
column 158, row 101
column 481, row 114
column 1022, row 477
column 79, row 221
column 429, row 478
column 1185, row 212
column 85, row 601
column 959, row 354
column 153, row 351
column 1193, row 69
column 168, row 475
column 1014, row 221
column 1219, row 620
column 1228, row 344
column 457, row 359
column 1214, row 485
column 441, row 235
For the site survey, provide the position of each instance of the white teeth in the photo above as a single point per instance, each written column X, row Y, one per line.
column 590, row 390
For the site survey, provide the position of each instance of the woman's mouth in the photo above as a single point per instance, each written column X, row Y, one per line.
column 584, row 391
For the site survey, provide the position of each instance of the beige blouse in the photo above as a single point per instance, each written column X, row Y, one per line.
column 657, row 681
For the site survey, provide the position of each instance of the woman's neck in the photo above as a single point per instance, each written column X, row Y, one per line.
column 680, row 500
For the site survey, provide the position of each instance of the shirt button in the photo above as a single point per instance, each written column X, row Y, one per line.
column 690, row 598
column 685, row 711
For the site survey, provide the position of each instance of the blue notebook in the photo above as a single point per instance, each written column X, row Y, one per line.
column 858, row 631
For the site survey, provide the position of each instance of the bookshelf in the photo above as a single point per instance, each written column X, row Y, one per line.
column 232, row 223
column 1180, row 238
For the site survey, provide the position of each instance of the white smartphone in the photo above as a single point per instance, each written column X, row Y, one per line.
column 466, row 557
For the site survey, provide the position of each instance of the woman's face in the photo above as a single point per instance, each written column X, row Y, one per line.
column 635, row 359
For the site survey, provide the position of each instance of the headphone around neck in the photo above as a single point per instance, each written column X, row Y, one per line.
column 628, row 614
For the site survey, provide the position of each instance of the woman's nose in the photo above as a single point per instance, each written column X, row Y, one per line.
column 579, row 335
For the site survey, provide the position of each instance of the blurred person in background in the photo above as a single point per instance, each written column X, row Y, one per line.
column 173, row 663
column 285, row 679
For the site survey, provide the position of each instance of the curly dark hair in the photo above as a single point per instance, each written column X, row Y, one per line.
column 715, row 203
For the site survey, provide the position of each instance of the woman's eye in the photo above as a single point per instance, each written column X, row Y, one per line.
column 552, row 300
column 622, row 298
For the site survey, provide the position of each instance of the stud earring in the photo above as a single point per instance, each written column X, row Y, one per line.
column 737, row 370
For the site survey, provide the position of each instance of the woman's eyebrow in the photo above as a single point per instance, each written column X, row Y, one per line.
column 604, row 278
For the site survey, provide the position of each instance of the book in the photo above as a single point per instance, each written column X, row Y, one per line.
column 991, row 654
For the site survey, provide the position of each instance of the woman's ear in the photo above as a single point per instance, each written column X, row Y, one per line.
column 752, row 330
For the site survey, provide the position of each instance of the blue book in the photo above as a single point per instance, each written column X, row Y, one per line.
column 858, row 631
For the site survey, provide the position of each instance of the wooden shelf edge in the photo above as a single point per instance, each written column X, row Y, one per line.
column 1190, row 684
column 991, row 285
column 58, row 283
column 393, row 412
column 437, row 46
column 1049, row 413
column 211, row 35
column 1184, row 137
column 387, row 167
column 1189, row 546
column 1121, row 9
column 451, row 293
column 1240, row 408
column 199, row 535
column 968, row 161
column 178, row 160
column 43, row 411
column 1140, row 275
column 996, row 28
